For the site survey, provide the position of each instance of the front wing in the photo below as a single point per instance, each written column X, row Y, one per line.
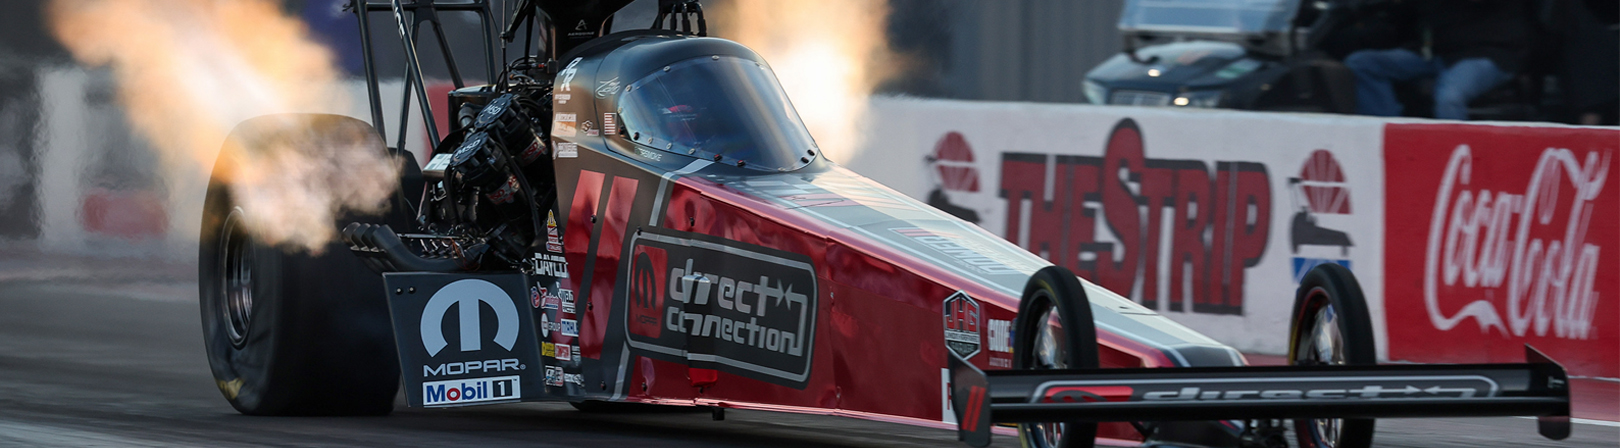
column 1539, row 387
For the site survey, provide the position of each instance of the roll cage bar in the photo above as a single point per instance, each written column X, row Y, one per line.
column 409, row 16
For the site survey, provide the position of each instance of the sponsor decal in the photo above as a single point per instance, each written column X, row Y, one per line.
column 467, row 326
column 977, row 256
column 567, row 296
column 506, row 193
column 535, row 296
column 467, row 295
column 1086, row 394
column 563, row 124
column 1000, row 335
column 466, row 367
column 575, row 379
column 1262, row 389
column 581, row 30
column 962, row 321
column 553, row 237
column 563, row 352
column 469, row 391
column 554, row 376
column 720, row 304
column 590, row 128
column 827, row 192
column 568, row 327
column 550, row 265
column 562, row 98
column 607, row 88
column 548, row 300
column 649, row 154
column 1321, row 184
column 568, row 73
column 953, row 172
column 610, row 126
column 1472, row 244
column 1501, row 238
column 439, row 162
column 534, row 151
column 567, row 150
column 1215, row 220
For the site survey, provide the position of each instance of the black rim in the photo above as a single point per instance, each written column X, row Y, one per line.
column 1321, row 343
column 1050, row 351
column 237, row 282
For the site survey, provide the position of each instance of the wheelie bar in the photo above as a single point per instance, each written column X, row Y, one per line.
column 1539, row 387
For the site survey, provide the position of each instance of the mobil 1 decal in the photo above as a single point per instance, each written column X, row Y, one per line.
column 464, row 339
column 719, row 304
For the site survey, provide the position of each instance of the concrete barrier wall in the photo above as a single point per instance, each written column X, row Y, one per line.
column 1211, row 217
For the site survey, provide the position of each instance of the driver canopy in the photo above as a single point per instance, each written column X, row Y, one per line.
column 710, row 99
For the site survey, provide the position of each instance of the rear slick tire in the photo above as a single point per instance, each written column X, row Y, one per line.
column 1055, row 331
column 1331, row 325
column 288, row 332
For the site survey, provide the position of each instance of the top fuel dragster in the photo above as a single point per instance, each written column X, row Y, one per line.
column 642, row 217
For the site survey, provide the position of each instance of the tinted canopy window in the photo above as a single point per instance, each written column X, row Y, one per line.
column 1216, row 16
column 717, row 106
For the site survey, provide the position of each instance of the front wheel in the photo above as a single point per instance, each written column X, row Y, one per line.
column 1054, row 315
column 1331, row 327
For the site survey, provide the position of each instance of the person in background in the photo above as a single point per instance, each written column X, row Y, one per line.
column 1468, row 47
column 1587, row 38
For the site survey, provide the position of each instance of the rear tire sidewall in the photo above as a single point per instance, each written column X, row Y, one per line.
column 246, row 375
column 1334, row 285
column 1050, row 287
column 320, row 339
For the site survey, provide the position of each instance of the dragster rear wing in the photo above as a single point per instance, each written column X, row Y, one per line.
column 1539, row 387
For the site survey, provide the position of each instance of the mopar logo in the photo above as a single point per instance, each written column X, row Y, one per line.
column 467, row 294
column 457, row 368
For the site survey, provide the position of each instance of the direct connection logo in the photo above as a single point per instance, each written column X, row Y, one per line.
column 469, row 391
column 720, row 304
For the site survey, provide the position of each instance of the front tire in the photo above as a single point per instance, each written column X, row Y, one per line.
column 1331, row 326
column 1056, row 317
column 288, row 332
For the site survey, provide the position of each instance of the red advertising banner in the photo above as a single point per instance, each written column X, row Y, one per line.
column 1500, row 236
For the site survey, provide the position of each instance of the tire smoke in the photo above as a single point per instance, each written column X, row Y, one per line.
column 188, row 71
column 828, row 54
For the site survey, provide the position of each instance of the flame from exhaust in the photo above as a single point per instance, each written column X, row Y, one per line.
column 828, row 54
column 188, row 71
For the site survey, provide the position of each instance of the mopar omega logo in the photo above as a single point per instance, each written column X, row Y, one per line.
column 467, row 294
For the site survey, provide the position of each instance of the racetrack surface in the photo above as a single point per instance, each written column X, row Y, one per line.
column 110, row 354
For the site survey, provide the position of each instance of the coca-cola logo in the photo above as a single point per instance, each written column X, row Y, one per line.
column 1524, row 250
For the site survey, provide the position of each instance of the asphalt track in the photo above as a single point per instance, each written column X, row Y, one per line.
column 110, row 354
